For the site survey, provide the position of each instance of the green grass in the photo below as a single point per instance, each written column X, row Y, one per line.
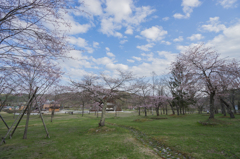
column 73, row 136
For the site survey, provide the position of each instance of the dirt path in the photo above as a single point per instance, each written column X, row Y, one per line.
column 159, row 149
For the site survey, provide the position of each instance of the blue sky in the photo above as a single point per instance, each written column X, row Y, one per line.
column 145, row 35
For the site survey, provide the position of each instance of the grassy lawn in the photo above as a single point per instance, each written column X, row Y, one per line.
column 73, row 136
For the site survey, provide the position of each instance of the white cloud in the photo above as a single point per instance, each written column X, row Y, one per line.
column 167, row 55
column 149, row 56
column 93, row 7
column 137, row 58
column 120, row 9
column 213, row 25
column 117, row 34
column 138, row 37
column 196, row 37
column 95, row 44
column 103, row 60
column 109, row 64
column 227, row 3
column 76, row 54
column 228, row 42
column 80, row 42
column 165, row 18
column 113, row 66
column 188, row 6
column 179, row 39
column 75, row 67
column 158, row 65
column 129, row 60
column 140, row 15
column 166, row 42
column 75, row 27
column 120, row 14
column 146, row 47
column 107, row 49
column 183, row 48
column 123, row 41
column 110, row 54
column 180, row 16
column 108, row 27
column 74, row 73
column 154, row 33
column 129, row 31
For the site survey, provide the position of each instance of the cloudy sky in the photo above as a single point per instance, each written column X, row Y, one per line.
column 145, row 35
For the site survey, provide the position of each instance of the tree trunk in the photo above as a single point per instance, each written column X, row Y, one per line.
column 52, row 114
column 228, row 108
column 145, row 109
column 157, row 110
column 83, row 109
column 233, row 101
column 212, row 105
column 238, row 106
column 177, row 110
column 223, row 108
column 183, row 110
column 216, row 110
column 172, row 108
column 166, row 110
column 97, row 112
column 102, row 121
column 139, row 111
column 27, row 121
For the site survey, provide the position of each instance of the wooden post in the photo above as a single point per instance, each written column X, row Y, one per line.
column 14, row 112
column 29, row 102
column 43, row 122
column 4, row 121
column 3, row 138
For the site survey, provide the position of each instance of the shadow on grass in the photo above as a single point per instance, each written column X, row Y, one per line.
column 214, row 122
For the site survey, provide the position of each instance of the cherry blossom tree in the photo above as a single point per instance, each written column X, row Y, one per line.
column 32, row 73
column 144, row 92
column 200, row 103
column 80, row 97
column 159, row 101
column 103, row 88
column 211, row 73
column 32, row 28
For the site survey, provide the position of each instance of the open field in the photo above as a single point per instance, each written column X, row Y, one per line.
column 125, row 136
